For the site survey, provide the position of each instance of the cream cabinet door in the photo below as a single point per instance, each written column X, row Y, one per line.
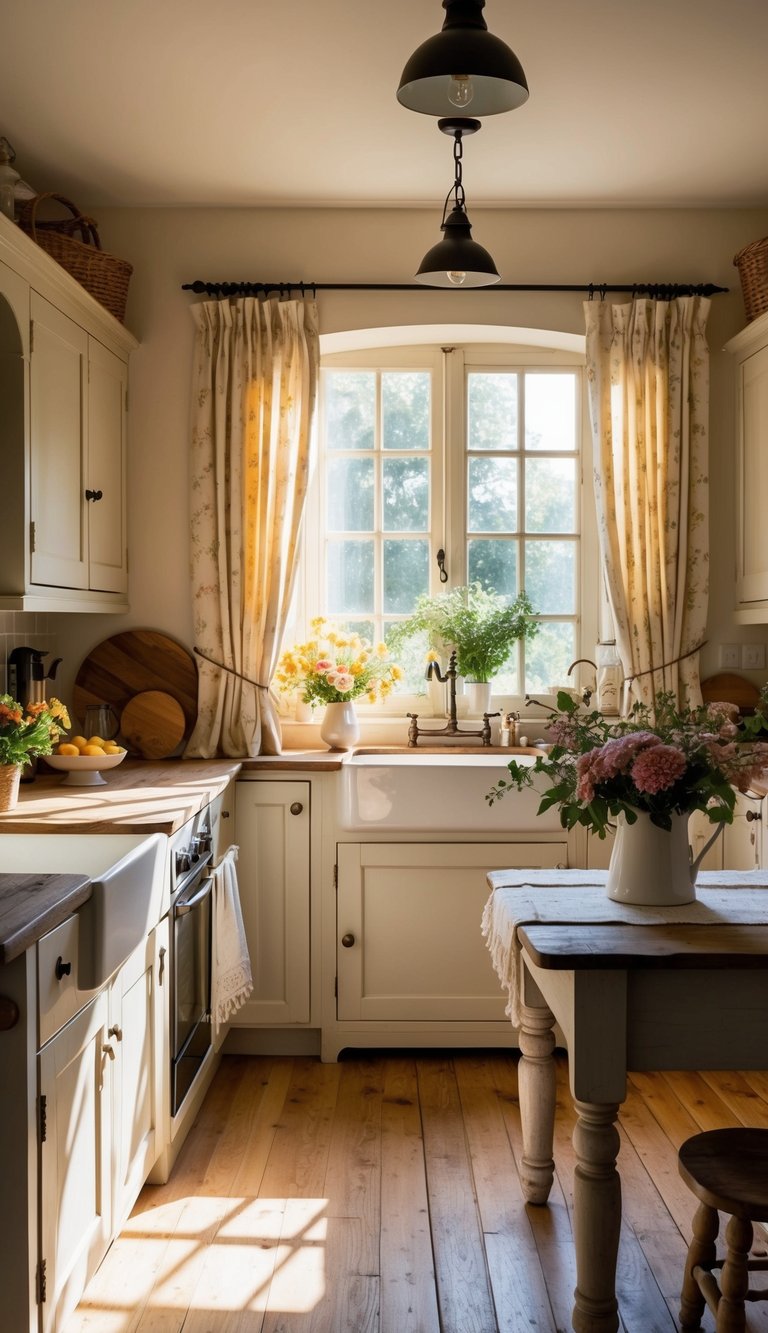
column 752, row 452
column 408, row 928
column 58, row 432
column 137, row 1035
column 742, row 840
column 272, row 822
column 75, row 1076
column 105, row 485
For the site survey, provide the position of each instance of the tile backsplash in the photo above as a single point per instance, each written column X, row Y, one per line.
column 32, row 629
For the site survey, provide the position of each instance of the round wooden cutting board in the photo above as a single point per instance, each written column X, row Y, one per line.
column 153, row 723
column 729, row 688
column 131, row 663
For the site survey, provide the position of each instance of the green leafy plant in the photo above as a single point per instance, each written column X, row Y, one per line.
column 29, row 731
column 663, row 761
column 480, row 625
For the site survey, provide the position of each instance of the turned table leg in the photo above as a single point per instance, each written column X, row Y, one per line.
column 536, row 1082
column 596, row 1217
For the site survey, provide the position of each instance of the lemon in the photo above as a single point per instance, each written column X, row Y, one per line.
column 92, row 749
column 78, row 741
column 111, row 748
column 68, row 747
column 97, row 740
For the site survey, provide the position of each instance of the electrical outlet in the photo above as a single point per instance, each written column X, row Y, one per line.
column 729, row 655
column 753, row 656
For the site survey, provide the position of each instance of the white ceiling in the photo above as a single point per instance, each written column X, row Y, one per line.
column 241, row 103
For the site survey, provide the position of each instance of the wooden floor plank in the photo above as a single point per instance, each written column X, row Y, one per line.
column 408, row 1295
column 353, row 1173
column 298, row 1155
column 517, row 1282
column 550, row 1225
column 466, row 1304
column 246, row 1182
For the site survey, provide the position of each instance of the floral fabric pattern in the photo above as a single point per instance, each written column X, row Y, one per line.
column 254, row 391
column 648, row 385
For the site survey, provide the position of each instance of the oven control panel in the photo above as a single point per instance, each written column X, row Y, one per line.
column 191, row 845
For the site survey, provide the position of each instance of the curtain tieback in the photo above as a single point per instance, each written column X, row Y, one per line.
column 231, row 670
column 673, row 662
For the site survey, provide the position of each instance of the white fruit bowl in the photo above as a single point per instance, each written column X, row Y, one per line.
column 84, row 770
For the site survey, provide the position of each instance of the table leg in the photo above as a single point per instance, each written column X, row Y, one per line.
column 596, row 1217
column 536, row 1083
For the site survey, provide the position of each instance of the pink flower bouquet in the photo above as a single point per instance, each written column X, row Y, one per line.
column 664, row 761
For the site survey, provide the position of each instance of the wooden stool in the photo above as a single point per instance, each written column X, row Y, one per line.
column 727, row 1169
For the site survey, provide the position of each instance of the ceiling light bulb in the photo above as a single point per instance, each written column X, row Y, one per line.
column 456, row 277
column 461, row 90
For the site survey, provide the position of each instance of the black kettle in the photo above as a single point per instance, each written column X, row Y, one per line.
column 26, row 684
column 27, row 675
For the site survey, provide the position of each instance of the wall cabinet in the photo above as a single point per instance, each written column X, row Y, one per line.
column 750, row 348
column 63, row 393
column 409, row 946
column 99, row 1116
column 272, row 822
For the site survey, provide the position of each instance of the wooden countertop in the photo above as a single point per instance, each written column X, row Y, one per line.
column 139, row 796
column 31, row 905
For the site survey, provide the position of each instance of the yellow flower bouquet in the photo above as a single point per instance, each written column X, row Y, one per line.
column 334, row 666
column 30, row 731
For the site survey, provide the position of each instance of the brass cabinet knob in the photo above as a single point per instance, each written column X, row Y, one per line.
column 296, row 808
column 347, row 940
column 753, row 814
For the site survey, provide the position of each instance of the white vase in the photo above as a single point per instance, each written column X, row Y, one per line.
column 478, row 694
column 339, row 728
column 652, row 866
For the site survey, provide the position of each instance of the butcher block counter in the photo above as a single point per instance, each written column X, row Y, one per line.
column 139, row 796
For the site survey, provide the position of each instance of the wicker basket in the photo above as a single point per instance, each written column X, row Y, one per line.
column 101, row 274
column 752, row 263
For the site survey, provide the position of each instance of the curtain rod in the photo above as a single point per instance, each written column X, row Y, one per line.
column 664, row 291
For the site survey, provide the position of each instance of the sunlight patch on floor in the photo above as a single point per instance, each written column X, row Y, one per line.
column 210, row 1253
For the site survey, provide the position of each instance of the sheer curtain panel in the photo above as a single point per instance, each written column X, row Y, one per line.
column 253, row 402
column 648, row 382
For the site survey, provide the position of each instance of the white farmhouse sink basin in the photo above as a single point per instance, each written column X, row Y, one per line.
column 128, row 888
column 435, row 793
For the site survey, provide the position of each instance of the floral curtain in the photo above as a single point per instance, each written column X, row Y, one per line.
column 648, row 384
column 254, row 392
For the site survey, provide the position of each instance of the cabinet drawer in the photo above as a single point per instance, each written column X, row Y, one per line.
column 59, row 998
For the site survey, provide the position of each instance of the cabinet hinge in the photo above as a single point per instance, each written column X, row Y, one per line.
column 31, row 335
column 126, row 400
column 336, row 877
column 32, row 537
column 41, row 1282
column 43, row 1117
column 336, row 987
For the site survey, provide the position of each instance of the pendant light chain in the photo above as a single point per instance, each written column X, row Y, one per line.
column 458, row 154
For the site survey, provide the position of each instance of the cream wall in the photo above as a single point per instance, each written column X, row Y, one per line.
column 169, row 247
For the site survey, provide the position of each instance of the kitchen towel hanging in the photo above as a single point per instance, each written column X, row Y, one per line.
column 231, row 980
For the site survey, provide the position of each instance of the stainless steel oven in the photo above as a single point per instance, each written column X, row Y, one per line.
column 191, row 923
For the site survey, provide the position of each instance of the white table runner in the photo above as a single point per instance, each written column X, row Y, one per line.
column 525, row 897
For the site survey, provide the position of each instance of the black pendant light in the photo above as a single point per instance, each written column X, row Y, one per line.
column 463, row 67
column 457, row 260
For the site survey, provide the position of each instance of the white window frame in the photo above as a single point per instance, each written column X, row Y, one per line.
column 450, row 363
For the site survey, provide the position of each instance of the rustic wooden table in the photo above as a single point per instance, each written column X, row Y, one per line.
column 675, row 996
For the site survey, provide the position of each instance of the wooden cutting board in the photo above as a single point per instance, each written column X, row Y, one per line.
column 727, row 687
column 132, row 662
column 153, row 724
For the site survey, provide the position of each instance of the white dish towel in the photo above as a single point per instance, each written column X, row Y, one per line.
column 232, row 980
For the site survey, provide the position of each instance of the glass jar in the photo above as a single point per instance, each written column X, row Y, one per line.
column 609, row 678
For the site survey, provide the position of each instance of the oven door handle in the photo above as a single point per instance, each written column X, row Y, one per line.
column 181, row 909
